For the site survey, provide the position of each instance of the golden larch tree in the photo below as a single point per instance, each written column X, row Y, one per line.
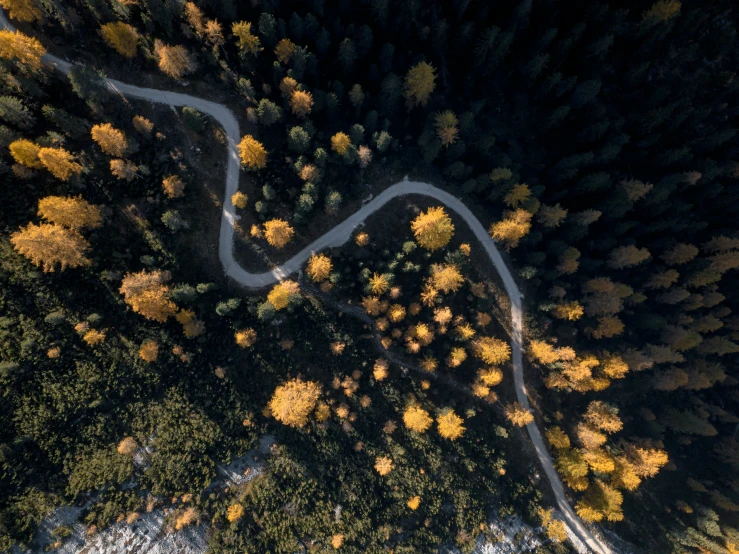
column 282, row 293
column 379, row 283
column 50, row 245
column 301, row 103
column 121, row 37
column 446, row 127
column 59, row 163
column 25, row 153
column 142, row 125
column 517, row 196
column 450, row 424
column 214, row 33
column 173, row 186
column 112, row 141
column 414, row 502
column 383, row 465
column 420, row 82
column 174, row 61
column 512, row 228
column 284, row 50
column 14, row 45
column 542, row 352
column 235, row 512
column 433, row 228
column 492, row 351
column 252, row 153
column 239, row 200
column 75, row 213
column 148, row 294
column 446, row 277
column 380, row 369
column 149, row 351
column 248, row 42
column 518, row 415
column 125, row 170
column 246, row 338
column 278, row 232
column 293, row 401
column 25, row 11
column 558, row 438
column 127, row 447
column 417, row 419
column 603, row 416
column 337, row 540
column 627, row 256
column 319, row 267
column 191, row 325
column 571, row 311
column 340, row 143
column 551, row 216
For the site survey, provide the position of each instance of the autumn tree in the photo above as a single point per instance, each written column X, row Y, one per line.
column 518, row 415
column 293, row 401
column 25, row 11
column 239, row 199
column 246, row 338
column 248, row 42
column 379, row 283
column 383, row 465
column 174, row 61
column 252, row 153
column 127, row 447
column 122, row 37
column 142, row 125
column 419, row 84
column 433, row 228
column 75, row 213
column 235, row 512
column 112, row 141
column 301, row 103
column 50, row 245
column 450, row 424
column 542, row 352
column 663, row 10
column 517, row 196
column 173, row 186
column 512, row 228
column 14, row 45
column 627, row 256
column 319, row 267
column 340, row 143
column 149, row 351
column 603, row 416
column 148, row 294
column 282, row 294
column 284, row 50
column 570, row 311
column 123, row 169
column 59, row 163
column 25, row 153
column 491, row 350
column 446, row 277
column 551, row 216
column 417, row 419
column 278, row 232
column 446, row 127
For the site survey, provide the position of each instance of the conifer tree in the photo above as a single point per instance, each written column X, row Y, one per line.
column 417, row 419
column 278, row 232
column 59, row 163
column 173, row 186
column 284, row 50
column 340, row 143
column 122, row 37
column 446, row 277
column 248, row 42
column 293, row 402
column 518, row 415
column 74, row 213
column 301, row 103
column 25, row 11
column 491, row 350
column 174, row 61
column 123, row 169
column 50, row 245
column 433, row 229
column 25, row 153
column 14, row 45
column 319, row 267
column 446, row 127
column 112, row 141
column 512, row 228
column 282, row 294
column 450, row 424
column 252, row 153
column 419, row 84
column 148, row 294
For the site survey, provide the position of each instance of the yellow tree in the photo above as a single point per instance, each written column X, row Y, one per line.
column 59, row 163
column 14, row 45
column 446, row 277
column 340, row 143
column 419, row 84
column 239, row 199
column 148, row 294
column 450, row 424
column 551, row 216
column 74, row 213
column 142, row 125
column 571, row 311
column 518, row 415
column 111, row 140
column 25, row 153
column 379, row 283
column 417, row 419
column 284, row 50
column 128, row 446
column 293, row 401
column 319, row 267
column 149, row 351
column 446, row 127
column 246, row 338
column 50, row 245
column 492, row 351
column 603, row 416
column 282, row 293
column 235, row 512
column 248, row 42
column 301, row 102
column 121, row 37
column 512, row 228
column 252, row 153
column 542, row 352
column 517, row 196
column 195, row 18
column 123, row 169
column 433, row 229
column 383, row 465
column 663, row 10
column 26, row 11
column 558, row 438
column 173, row 186
column 278, row 232
column 174, row 61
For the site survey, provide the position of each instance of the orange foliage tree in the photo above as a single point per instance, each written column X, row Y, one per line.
column 433, row 229
column 50, row 245
column 148, row 294
column 74, row 213
column 293, row 401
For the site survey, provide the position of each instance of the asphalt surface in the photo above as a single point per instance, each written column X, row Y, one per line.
column 340, row 235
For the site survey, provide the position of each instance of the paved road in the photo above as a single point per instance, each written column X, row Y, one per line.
column 340, row 235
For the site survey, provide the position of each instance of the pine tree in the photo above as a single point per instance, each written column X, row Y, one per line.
column 419, row 84
column 252, row 153
column 50, row 245
column 14, row 45
column 293, row 402
column 278, row 232
column 122, row 37
column 433, row 229
column 148, row 294
column 347, row 56
column 112, row 141
column 74, row 213
column 174, row 61
column 59, row 163
column 25, row 11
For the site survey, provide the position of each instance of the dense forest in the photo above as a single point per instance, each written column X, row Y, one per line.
column 597, row 141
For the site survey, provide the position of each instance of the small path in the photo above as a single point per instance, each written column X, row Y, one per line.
column 338, row 236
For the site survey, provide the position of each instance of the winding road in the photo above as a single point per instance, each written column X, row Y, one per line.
column 340, row 235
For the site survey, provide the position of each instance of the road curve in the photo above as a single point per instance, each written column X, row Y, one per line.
column 340, row 235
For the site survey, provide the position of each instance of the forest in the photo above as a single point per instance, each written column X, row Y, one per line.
column 596, row 142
